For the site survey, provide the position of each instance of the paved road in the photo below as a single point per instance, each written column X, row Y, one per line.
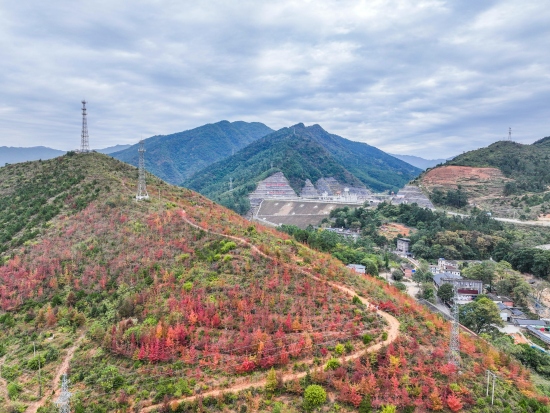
column 508, row 220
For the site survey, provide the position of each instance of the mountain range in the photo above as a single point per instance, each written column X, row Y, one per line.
column 420, row 162
column 176, row 157
column 300, row 153
column 9, row 155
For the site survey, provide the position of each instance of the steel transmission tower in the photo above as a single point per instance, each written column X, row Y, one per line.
column 509, row 134
column 454, row 345
column 65, row 397
column 84, row 141
column 142, row 189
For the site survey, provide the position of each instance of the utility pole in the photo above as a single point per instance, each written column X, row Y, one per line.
column 84, row 140
column 454, row 345
column 65, row 397
column 142, row 189
column 39, row 371
column 491, row 376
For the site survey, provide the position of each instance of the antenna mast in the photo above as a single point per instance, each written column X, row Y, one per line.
column 65, row 397
column 84, row 141
column 142, row 189
column 454, row 346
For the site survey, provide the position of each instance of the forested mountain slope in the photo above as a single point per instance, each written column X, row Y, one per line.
column 176, row 157
column 165, row 299
column 300, row 153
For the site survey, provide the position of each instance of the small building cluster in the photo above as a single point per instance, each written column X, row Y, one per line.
column 444, row 266
column 447, row 272
column 347, row 233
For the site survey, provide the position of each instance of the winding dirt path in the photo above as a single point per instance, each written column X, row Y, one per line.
column 393, row 331
column 33, row 407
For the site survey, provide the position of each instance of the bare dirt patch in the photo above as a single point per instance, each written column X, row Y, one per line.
column 450, row 176
column 393, row 229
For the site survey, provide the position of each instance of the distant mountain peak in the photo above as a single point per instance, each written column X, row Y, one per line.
column 308, row 153
column 177, row 156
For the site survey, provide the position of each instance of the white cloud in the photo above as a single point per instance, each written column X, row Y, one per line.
column 425, row 77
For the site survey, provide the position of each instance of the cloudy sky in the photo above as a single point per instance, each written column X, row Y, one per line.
column 424, row 77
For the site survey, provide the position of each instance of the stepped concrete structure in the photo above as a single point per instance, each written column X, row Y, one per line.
column 275, row 186
column 412, row 194
column 330, row 187
column 309, row 191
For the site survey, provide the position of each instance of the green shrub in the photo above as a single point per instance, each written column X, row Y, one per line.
column 339, row 349
column 385, row 335
column 348, row 346
column 52, row 353
column 230, row 245
column 110, row 379
column 36, row 362
column 332, row 364
column 10, row 373
column 367, row 338
column 13, row 390
column 314, row 396
column 400, row 286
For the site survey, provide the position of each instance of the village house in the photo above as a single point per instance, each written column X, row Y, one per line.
column 500, row 299
column 358, row 268
column 509, row 313
column 403, row 246
column 523, row 322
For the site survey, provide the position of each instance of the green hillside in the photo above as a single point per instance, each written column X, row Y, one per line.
column 375, row 168
column 526, row 164
column 300, row 153
column 176, row 157
column 178, row 304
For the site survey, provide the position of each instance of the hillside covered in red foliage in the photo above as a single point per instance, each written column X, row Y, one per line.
column 167, row 299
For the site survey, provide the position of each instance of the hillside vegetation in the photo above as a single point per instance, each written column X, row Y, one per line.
column 527, row 165
column 300, row 153
column 163, row 300
column 508, row 178
column 174, row 158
